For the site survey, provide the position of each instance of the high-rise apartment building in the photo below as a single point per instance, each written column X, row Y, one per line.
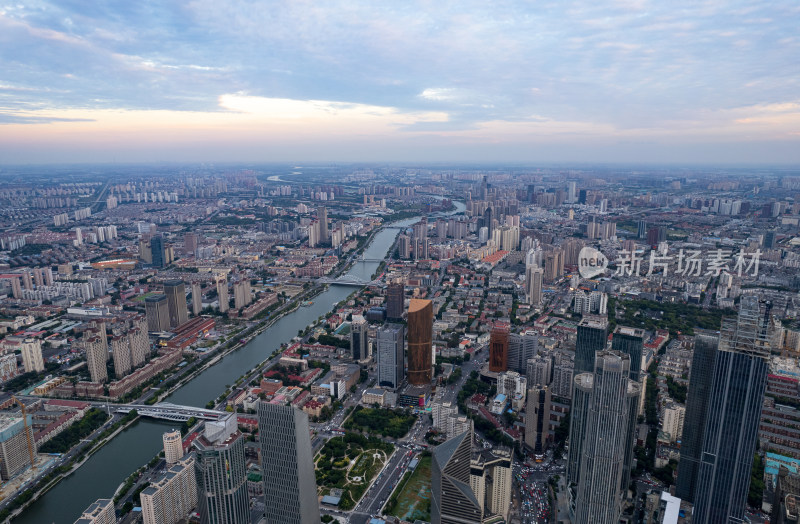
column 176, row 302
column 390, row 351
column 599, row 494
column 173, row 446
column 537, row 419
column 452, row 499
column 395, row 297
column 734, row 410
column 491, row 482
column 222, row 293
column 121, row 353
column 359, row 342
column 592, row 337
column 420, row 341
column 290, row 489
column 700, row 382
column 16, row 434
column 197, row 299
column 221, row 473
column 32, row 355
column 539, row 370
column 157, row 311
column 170, row 498
column 96, row 348
column 101, row 511
column 498, row 347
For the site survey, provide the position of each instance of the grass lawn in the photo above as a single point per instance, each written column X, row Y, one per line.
column 350, row 463
column 411, row 500
column 141, row 298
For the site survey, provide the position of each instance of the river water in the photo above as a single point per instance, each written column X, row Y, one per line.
column 108, row 468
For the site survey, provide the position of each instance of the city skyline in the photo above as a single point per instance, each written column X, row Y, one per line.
column 633, row 81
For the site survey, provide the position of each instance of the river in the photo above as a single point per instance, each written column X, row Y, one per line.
column 109, row 467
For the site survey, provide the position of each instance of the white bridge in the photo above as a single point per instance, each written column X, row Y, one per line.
column 173, row 412
column 348, row 280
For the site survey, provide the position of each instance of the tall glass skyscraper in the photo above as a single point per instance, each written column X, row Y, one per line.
column 734, row 410
column 452, row 499
column 390, row 342
column 592, row 337
column 705, row 352
column 599, row 497
column 221, row 473
column 290, row 487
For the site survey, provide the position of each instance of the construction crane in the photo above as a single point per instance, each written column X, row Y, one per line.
column 28, row 432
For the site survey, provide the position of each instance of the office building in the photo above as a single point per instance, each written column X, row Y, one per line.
column 591, row 338
column 322, row 216
column 290, row 488
column 395, row 297
column 197, row 299
column 222, row 293
column 158, row 251
column 100, row 511
column 157, row 312
column 452, row 499
column 699, row 391
column 173, row 446
column 578, row 418
column 390, row 343
column 533, row 284
column 359, row 341
column 641, row 231
column 32, row 355
column 631, row 342
column 537, row 419
column 420, row 341
column 16, row 435
column 498, row 347
column 175, row 290
column 599, row 496
column 521, row 348
column 491, row 482
column 190, row 243
column 734, row 410
column 221, row 473
column 170, row 498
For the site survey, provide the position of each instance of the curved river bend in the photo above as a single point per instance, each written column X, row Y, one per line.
column 134, row 447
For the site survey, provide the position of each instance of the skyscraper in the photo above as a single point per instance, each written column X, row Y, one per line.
column 521, row 348
column 290, row 489
column 732, row 419
column 420, row 341
column 579, row 415
column 394, row 300
column 221, row 473
column 537, row 419
column 359, row 348
column 322, row 216
column 158, row 251
column 592, row 337
column 452, row 499
column 599, row 497
column 390, row 342
column 533, row 284
column 222, row 293
column 498, row 347
column 630, row 341
column 176, row 302
column 157, row 312
column 173, row 446
column 694, row 424
column 170, row 498
column 197, row 298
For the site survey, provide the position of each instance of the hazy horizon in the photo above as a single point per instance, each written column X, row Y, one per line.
column 630, row 82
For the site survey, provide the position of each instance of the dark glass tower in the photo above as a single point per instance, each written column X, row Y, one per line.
column 452, row 498
column 734, row 410
column 158, row 250
column 705, row 351
column 592, row 337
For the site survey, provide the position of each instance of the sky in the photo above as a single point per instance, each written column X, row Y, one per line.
column 257, row 81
